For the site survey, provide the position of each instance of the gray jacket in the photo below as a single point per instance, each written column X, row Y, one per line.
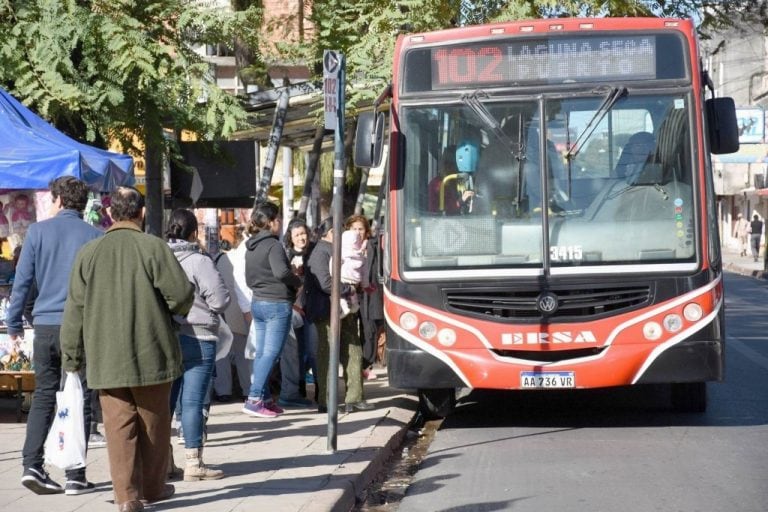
column 211, row 294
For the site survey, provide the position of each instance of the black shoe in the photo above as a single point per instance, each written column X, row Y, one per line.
column 77, row 487
column 358, row 406
column 38, row 481
column 322, row 409
column 224, row 399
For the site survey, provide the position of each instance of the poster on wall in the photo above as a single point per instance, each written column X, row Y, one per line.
column 751, row 124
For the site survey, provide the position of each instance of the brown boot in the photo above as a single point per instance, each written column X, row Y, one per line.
column 195, row 468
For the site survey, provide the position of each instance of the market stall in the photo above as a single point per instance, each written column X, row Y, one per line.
column 32, row 154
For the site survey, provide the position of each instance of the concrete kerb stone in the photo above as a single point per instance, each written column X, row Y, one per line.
column 349, row 481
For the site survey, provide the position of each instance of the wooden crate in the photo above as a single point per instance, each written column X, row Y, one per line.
column 17, row 382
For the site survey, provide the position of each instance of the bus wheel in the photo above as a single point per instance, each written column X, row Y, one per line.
column 437, row 403
column 689, row 396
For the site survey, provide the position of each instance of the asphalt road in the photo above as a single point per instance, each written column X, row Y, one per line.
column 620, row 450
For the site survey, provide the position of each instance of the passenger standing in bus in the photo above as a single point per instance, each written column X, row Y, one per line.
column 741, row 233
column 756, row 234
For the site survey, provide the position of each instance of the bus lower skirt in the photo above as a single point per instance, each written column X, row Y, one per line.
column 414, row 369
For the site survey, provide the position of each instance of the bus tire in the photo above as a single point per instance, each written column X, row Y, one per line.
column 689, row 396
column 437, row 403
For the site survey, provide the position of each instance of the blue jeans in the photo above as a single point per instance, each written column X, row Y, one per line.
column 193, row 386
column 272, row 321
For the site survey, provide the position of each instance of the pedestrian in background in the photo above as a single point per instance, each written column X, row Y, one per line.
column 294, row 358
column 238, row 323
column 756, row 234
column 44, row 266
column 741, row 233
column 198, row 334
column 273, row 284
column 124, row 289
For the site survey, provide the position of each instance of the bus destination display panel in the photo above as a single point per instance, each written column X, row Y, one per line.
column 554, row 60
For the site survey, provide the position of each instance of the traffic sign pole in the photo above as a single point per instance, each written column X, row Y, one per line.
column 334, row 83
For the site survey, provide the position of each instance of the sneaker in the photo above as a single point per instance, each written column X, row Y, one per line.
column 96, row 440
column 309, row 378
column 179, row 434
column 258, row 408
column 294, row 402
column 272, row 406
column 77, row 487
column 38, row 481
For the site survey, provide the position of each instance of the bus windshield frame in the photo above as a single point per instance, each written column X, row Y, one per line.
column 625, row 202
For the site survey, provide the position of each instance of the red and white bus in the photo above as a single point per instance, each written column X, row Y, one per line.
column 550, row 213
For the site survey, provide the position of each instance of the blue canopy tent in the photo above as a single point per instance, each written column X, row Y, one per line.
column 33, row 152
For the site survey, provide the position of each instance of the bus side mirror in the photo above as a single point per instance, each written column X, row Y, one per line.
column 722, row 125
column 369, row 139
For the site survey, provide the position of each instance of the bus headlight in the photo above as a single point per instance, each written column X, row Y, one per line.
column 673, row 323
column 652, row 331
column 446, row 337
column 427, row 330
column 693, row 312
column 408, row 321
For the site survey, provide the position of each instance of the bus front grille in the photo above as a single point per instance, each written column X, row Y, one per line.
column 572, row 303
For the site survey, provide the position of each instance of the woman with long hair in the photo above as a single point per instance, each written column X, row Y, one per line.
column 274, row 284
column 198, row 334
column 298, row 353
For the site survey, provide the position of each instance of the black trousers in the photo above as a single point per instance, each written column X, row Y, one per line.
column 46, row 358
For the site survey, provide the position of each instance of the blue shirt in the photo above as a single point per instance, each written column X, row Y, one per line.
column 46, row 259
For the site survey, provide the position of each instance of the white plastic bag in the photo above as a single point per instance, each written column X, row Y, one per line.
column 65, row 444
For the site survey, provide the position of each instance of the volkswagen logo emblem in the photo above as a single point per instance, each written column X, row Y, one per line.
column 546, row 303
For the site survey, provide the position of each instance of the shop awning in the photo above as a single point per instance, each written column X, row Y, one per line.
column 33, row 152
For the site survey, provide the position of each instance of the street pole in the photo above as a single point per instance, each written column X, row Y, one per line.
column 334, row 80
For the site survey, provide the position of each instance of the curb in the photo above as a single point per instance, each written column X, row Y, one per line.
column 352, row 478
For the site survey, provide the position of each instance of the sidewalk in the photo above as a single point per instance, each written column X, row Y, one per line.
column 271, row 465
column 745, row 265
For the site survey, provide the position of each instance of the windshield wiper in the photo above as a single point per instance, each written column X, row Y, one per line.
column 608, row 102
column 472, row 100
column 515, row 148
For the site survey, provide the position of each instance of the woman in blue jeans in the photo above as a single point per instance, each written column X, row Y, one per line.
column 273, row 282
column 198, row 334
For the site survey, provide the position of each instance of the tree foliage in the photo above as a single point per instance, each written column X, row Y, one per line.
column 105, row 70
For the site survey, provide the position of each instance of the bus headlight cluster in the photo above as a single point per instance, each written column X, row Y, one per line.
column 673, row 322
column 427, row 330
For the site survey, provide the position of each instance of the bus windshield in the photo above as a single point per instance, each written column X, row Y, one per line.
column 611, row 172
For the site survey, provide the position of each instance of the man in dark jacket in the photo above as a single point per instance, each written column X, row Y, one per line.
column 123, row 291
column 756, row 234
column 44, row 263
